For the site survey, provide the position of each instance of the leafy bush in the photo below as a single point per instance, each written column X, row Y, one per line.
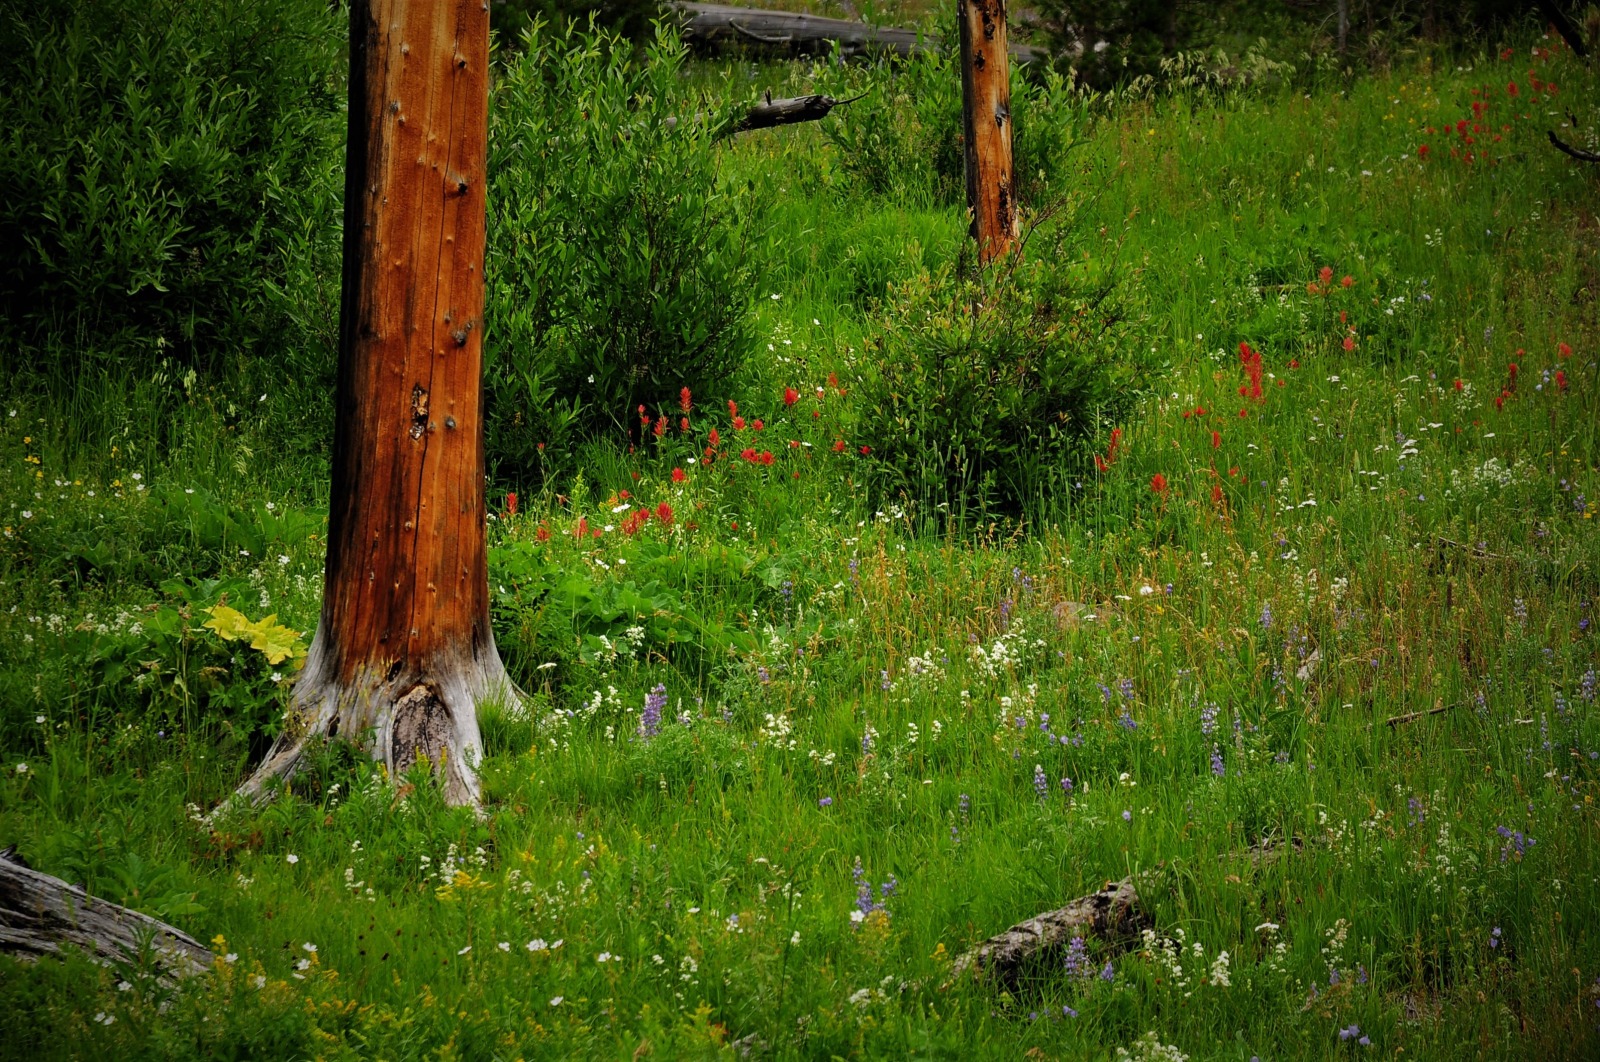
column 988, row 387
column 171, row 179
column 904, row 139
column 619, row 264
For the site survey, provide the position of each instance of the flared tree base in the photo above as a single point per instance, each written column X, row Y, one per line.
column 397, row 716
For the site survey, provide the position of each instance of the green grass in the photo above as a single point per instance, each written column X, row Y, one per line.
column 1381, row 542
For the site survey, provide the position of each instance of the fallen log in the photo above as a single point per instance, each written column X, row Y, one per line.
column 39, row 915
column 1113, row 915
column 712, row 24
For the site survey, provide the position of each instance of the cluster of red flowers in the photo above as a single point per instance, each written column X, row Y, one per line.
column 1251, row 361
column 639, row 517
column 1103, row 464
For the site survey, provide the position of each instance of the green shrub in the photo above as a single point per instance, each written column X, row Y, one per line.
column 171, row 181
column 904, row 138
column 987, row 388
column 619, row 256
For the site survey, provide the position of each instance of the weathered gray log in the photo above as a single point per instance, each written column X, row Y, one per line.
column 721, row 23
column 40, row 914
column 1112, row 915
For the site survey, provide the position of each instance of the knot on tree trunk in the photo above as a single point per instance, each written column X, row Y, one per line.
column 421, row 728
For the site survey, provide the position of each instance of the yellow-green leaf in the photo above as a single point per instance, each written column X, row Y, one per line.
column 229, row 623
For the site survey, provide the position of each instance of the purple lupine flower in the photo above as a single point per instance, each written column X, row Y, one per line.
column 1208, row 719
column 1266, row 616
column 1078, row 959
column 1105, row 692
column 1126, row 721
column 1066, row 785
column 825, row 802
column 864, row 902
column 1216, row 762
column 1068, row 1012
column 1361, row 975
column 1517, row 843
column 650, row 718
column 1125, row 687
column 1041, row 784
column 1127, row 815
column 1416, row 814
column 1494, row 937
column 1587, row 689
column 1108, row 973
column 1350, row 1033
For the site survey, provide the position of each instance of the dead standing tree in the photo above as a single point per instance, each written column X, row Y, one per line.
column 404, row 652
column 986, row 116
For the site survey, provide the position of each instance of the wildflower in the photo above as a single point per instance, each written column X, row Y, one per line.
column 738, row 423
column 1346, row 281
column 1564, row 350
column 1494, row 937
column 1158, row 483
column 1349, row 343
column 664, row 514
column 1217, row 767
column 1561, row 380
column 679, row 475
column 825, row 802
column 650, row 717
column 1127, row 815
column 556, row 1001
column 1077, row 961
column 713, row 438
column 511, row 503
column 292, row 858
column 1423, row 151
column 838, row 446
column 790, row 396
column 1326, row 275
column 1511, row 89
column 865, row 450
column 1216, row 439
column 683, row 425
column 538, row 944
column 1041, row 785
column 543, row 534
column 1066, row 785
column 661, row 426
column 758, row 425
column 685, row 401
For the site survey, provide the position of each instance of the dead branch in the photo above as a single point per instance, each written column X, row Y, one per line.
column 1567, row 149
column 39, row 915
column 1412, row 717
column 770, row 113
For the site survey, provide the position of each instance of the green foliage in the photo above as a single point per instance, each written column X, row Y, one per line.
column 620, row 254
column 986, row 389
column 170, row 172
column 903, row 139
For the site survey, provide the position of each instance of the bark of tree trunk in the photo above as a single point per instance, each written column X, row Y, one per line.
column 404, row 652
column 986, row 113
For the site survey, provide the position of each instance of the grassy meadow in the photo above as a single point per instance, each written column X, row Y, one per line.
column 791, row 745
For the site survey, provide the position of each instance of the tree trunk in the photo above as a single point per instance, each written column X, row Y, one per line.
column 404, row 652
column 986, row 114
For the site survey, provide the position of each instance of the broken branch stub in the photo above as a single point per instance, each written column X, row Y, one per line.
column 1112, row 915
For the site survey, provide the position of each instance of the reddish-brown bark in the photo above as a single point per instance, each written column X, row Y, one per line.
column 986, row 112
column 404, row 651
